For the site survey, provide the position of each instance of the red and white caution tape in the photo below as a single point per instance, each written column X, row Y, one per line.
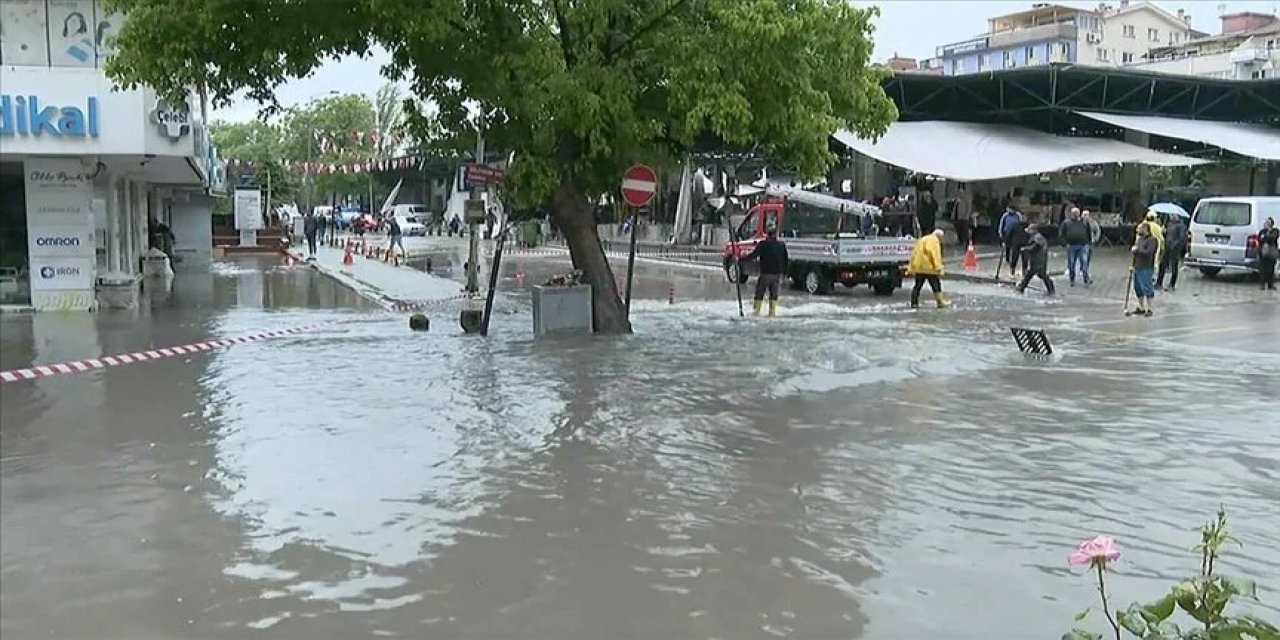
column 91, row 364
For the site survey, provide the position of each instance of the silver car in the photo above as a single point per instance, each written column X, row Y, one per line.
column 1224, row 233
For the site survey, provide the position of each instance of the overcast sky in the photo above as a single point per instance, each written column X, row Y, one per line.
column 911, row 28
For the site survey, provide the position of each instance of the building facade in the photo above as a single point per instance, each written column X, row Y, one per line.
column 1247, row 48
column 87, row 172
column 1049, row 33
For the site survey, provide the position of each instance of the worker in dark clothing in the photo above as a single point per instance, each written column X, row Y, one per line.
column 1035, row 255
column 309, row 229
column 772, row 254
column 1175, row 246
column 927, row 213
column 1077, row 235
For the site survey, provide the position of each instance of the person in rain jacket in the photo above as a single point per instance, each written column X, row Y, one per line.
column 1009, row 222
column 1157, row 232
column 926, row 266
column 1175, row 245
column 1035, row 254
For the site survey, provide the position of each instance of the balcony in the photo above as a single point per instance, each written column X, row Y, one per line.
column 966, row 46
column 1249, row 55
column 1061, row 30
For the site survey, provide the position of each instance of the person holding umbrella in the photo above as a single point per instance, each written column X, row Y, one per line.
column 1175, row 246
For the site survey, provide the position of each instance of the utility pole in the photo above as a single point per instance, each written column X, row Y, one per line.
column 477, row 193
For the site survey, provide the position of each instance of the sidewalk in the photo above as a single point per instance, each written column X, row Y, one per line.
column 392, row 287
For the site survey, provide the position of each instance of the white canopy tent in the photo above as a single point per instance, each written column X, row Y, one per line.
column 969, row 151
column 1253, row 140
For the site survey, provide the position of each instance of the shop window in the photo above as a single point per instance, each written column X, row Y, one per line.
column 15, row 282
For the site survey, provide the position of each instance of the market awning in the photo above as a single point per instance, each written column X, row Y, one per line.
column 1247, row 139
column 970, row 151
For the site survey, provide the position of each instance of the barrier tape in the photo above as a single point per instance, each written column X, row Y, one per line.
column 91, row 364
column 148, row 355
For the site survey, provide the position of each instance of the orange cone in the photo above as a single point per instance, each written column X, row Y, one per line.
column 970, row 258
column 347, row 258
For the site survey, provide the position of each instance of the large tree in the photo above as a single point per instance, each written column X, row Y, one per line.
column 578, row 89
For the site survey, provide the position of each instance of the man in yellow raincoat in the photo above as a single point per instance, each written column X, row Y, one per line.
column 1157, row 232
column 926, row 266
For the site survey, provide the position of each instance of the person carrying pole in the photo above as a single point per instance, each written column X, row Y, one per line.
column 772, row 254
column 1035, row 260
column 1145, row 251
column 926, row 266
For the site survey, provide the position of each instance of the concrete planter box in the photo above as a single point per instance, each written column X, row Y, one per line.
column 562, row 310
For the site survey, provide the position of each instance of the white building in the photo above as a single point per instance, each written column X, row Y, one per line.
column 83, row 168
column 1248, row 48
column 1108, row 35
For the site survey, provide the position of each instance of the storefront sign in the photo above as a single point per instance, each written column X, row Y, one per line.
column 29, row 116
column 60, row 233
column 248, row 209
column 172, row 123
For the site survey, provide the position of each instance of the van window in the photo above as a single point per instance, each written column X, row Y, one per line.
column 807, row 220
column 1225, row 214
column 417, row 208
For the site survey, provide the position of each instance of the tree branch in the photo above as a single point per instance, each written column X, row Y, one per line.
column 613, row 53
column 562, row 25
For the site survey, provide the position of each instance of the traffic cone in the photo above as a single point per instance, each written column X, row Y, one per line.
column 970, row 258
column 347, row 258
column 520, row 274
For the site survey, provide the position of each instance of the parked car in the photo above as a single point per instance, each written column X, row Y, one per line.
column 418, row 211
column 410, row 226
column 1224, row 233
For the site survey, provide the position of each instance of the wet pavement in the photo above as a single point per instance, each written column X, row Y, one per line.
column 851, row 469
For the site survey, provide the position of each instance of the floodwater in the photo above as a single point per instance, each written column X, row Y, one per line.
column 850, row 470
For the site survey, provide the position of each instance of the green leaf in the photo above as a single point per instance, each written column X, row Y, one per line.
column 1132, row 620
column 1081, row 634
column 1083, row 614
column 1161, row 609
column 1240, row 586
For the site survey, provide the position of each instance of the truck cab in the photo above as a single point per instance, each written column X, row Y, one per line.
column 828, row 241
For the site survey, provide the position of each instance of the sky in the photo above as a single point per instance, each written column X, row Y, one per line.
column 910, row 28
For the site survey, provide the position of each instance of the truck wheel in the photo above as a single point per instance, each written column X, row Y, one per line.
column 1210, row 272
column 818, row 282
column 883, row 288
column 733, row 272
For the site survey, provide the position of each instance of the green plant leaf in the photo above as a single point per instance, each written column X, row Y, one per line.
column 1081, row 634
column 1240, row 586
column 1132, row 620
column 1161, row 609
column 1083, row 614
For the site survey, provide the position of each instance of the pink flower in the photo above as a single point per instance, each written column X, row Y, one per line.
column 1099, row 550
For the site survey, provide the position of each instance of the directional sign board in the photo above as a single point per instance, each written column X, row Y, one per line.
column 480, row 174
column 639, row 184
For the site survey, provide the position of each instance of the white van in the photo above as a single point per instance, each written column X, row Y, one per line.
column 1224, row 232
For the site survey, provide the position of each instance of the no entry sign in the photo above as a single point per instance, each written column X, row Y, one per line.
column 638, row 185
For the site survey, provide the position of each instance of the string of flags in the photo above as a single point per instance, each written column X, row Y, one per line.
column 332, row 141
column 348, row 167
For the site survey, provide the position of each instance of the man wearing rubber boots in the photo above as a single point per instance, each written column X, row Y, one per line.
column 926, row 266
column 772, row 254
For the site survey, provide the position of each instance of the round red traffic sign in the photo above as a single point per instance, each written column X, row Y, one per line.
column 639, row 184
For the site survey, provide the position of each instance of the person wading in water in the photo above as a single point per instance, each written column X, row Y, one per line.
column 926, row 266
column 772, row 254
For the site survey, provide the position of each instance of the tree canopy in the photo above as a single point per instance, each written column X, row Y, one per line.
column 577, row 89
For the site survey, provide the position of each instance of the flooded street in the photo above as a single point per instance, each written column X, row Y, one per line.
column 849, row 470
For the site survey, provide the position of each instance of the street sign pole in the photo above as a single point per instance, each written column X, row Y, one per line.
column 631, row 265
column 639, row 184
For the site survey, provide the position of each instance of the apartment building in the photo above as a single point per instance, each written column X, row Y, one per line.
column 1246, row 48
column 1107, row 35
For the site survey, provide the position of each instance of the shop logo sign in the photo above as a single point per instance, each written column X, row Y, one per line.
column 42, row 178
column 57, row 241
column 172, row 123
column 27, row 116
column 49, row 273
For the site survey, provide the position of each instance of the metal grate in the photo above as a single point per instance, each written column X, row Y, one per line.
column 1032, row 341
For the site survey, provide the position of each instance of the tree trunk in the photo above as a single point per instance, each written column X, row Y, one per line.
column 574, row 217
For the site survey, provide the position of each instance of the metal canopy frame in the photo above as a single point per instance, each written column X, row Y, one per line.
column 1044, row 98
